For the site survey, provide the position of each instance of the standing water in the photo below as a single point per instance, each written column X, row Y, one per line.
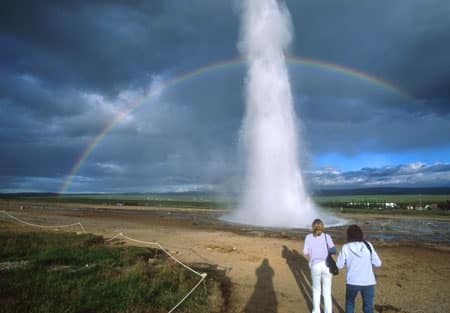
column 274, row 193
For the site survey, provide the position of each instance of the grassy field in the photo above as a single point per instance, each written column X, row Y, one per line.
column 424, row 205
column 163, row 201
column 400, row 199
column 65, row 272
column 343, row 203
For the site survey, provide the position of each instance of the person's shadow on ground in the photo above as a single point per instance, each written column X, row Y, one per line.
column 299, row 267
column 263, row 298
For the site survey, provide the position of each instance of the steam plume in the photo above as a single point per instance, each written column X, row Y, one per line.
column 274, row 191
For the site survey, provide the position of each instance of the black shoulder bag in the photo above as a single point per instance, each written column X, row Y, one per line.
column 368, row 247
column 331, row 264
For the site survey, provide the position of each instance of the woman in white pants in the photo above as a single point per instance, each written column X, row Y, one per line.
column 315, row 250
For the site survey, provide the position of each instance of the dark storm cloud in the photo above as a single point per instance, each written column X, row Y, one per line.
column 403, row 44
column 389, row 129
column 196, row 147
column 69, row 68
column 106, row 45
column 38, row 97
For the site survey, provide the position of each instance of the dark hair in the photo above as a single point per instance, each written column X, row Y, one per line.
column 354, row 233
column 317, row 220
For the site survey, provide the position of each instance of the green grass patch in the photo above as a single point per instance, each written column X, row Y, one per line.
column 162, row 201
column 400, row 199
column 407, row 204
column 397, row 212
column 53, row 272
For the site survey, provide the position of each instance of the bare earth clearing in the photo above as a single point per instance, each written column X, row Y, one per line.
column 266, row 270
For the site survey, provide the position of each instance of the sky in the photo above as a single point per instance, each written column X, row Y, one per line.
column 148, row 96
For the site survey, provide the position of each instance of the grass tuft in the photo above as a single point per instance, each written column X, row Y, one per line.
column 66, row 272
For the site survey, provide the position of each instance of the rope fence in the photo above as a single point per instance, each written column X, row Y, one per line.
column 45, row 226
column 122, row 236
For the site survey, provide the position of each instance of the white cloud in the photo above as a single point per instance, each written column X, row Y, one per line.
column 111, row 168
column 406, row 175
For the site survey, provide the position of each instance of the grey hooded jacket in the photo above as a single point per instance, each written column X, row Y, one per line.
column 359, row 262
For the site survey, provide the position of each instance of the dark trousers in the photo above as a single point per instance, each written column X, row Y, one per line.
column 367, row 293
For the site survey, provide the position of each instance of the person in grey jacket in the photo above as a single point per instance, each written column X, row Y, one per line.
column 359, row 256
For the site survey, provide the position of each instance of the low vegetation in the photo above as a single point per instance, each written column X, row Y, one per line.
column 358, row 202
column 388, row 204
column 118, row 200
column 65, row 272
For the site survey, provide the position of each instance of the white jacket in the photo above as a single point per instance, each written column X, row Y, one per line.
column 358, row 259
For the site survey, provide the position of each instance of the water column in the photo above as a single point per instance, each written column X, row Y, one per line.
column 274, row 193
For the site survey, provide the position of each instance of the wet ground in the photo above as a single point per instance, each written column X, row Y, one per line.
column 403, row 228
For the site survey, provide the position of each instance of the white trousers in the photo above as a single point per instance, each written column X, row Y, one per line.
column 321, row 284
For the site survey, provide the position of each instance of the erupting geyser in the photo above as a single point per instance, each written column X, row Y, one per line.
column 274, row 193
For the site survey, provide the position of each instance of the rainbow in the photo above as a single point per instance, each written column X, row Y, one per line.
column 214, row 67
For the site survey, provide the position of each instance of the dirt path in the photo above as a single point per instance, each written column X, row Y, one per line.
column 268, row 274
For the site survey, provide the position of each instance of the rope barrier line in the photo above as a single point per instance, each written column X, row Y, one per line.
column 202, row 275
column 189, row 293
column 165, row 251
column 44, row 226
column 121, row 235
column 114, row 237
